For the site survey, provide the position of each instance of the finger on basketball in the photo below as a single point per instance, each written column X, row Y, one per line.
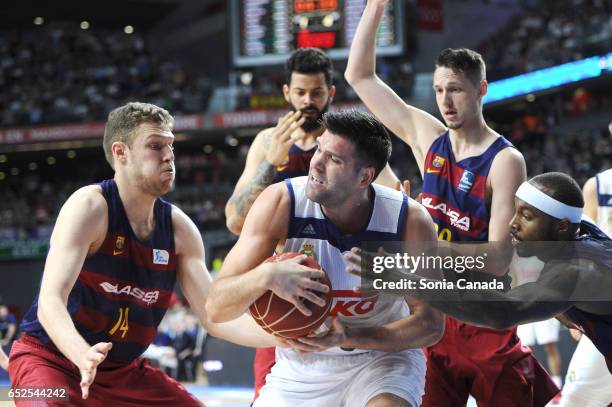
column 313, row 285
column 300, row 306
column 312, row 297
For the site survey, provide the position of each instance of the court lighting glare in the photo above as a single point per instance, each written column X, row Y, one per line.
column 548, row 78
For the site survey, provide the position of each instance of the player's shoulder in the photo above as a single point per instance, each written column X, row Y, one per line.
column 508, row 159
column 180, row 220
column 186, row 233
column 89, row 198
column 262, row 139
column 589, row 185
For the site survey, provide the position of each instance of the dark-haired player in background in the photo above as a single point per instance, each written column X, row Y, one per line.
column 575, row 284
column 470, row 174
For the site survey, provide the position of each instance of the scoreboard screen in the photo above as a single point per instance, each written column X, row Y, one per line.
column 266, row 31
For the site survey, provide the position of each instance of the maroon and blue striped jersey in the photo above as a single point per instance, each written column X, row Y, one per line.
column 454, row 192
column 123, row 290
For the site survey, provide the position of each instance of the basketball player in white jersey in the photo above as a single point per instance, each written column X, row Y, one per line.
column 588, row 381
column 371, row 355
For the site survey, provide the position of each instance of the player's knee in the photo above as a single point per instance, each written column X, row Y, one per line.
column 387, row 400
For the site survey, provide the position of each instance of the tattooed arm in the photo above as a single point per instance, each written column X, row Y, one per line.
column 269, row 150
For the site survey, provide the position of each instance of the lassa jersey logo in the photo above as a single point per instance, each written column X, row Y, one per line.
column 148, row 297
column 456, row 219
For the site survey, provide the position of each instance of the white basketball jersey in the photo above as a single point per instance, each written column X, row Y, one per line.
column 311, row 233
column 604, row 201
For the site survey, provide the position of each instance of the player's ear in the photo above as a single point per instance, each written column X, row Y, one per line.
column 286, row 93
column 563, row 226
column 484, row 86
column 119, row 149
column 367, row 176
column 332, row 92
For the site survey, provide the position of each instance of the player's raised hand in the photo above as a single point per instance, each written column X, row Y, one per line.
column 380, row 3
column 283, row 136
column 294, row 282
column 405, row 184
column 89, row 365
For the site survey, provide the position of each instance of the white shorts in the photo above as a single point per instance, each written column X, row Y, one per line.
column 588, row 381
column 343, row 381
column 542, row 332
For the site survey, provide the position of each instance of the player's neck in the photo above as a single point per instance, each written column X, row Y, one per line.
column 353, row 215
column 138, row 206
column 310, row 139
column 471, row 138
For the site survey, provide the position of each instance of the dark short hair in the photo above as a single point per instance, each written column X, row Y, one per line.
column 465, row 60
column 309, row 61
column 369, row 136
column 561, row 187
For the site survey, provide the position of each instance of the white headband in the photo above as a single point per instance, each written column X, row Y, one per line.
column 548, row 204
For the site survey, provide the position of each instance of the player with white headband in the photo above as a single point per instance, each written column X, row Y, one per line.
column 575, row 285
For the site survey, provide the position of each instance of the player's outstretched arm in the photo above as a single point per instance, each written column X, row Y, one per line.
column 269, row 150
column 508, row 172
column 414, row 126
column 243, row 278
column 79, row 230
column 589, row 192
column 195, row 282
column 545, row 298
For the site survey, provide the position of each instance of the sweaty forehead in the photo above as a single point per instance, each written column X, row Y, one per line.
column 336, row 144
column 154, row 130
column 444, row 75
column 520, row 205
column 307, row 80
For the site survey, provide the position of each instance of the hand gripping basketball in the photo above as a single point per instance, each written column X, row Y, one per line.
column 291, row 308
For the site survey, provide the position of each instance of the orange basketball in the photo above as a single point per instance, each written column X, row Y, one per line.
column 282, row 318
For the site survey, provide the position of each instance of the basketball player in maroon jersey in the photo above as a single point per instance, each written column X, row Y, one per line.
column 116, row 251
column 470, row 175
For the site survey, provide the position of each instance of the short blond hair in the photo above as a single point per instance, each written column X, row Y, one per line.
column 124, row 120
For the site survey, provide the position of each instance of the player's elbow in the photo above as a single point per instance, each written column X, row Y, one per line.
column 433, row 329
column 353, row 76
column 43, row 310
column 234, row 224
column 214, row 314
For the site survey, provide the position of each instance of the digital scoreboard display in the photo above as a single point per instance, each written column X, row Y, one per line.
column 267, row 31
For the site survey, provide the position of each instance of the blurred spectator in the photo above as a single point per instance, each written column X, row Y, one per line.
column 8, row 328
column 60, row 73
column 548, row 34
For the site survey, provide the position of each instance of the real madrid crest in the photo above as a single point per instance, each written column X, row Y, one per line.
column 308, row 250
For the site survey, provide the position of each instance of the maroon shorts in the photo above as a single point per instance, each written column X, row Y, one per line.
column 132, row 384
column 265, row 358
column 490, row 365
